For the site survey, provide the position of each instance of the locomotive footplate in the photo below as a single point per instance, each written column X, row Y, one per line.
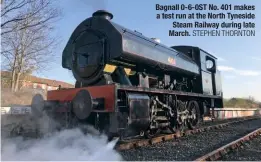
column 100, row 98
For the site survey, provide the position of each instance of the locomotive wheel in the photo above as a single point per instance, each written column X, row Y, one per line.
column 173, row 124
column 173, row 129
column 151, row 133
column 195, row 113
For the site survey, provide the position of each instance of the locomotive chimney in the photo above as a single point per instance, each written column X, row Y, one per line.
column 156, row 39
column 103, row 13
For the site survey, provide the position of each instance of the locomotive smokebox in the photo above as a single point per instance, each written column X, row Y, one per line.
column 103, row 14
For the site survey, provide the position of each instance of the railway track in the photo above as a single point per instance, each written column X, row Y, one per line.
column 188, row 148
column 161, row 138
column 218, row 153
column 248, row 151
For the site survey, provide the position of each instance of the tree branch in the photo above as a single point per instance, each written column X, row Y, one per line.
column 20, row 5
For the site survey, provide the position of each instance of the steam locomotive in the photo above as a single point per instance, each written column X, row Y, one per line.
column 128, row 84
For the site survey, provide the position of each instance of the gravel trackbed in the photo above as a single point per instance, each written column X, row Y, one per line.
column 190, row 147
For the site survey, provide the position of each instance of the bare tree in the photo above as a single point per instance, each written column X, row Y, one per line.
column 16, row 11
column 27, row 40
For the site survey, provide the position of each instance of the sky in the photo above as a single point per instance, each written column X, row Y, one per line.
column 239, row 57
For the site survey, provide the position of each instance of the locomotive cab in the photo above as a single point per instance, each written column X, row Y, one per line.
column 210, row 78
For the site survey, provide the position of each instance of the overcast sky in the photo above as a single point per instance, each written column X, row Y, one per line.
column 239, row 57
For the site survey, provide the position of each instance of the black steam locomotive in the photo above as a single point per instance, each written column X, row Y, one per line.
column 128, row 84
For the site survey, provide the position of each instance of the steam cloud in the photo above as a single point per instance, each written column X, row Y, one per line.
column 66, row 145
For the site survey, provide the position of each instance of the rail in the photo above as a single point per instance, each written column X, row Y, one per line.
column 144, row 142
column 218, row 153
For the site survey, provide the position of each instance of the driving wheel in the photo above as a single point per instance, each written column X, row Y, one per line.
column 194, row 114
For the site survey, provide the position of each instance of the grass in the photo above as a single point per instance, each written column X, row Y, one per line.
column 22, row 97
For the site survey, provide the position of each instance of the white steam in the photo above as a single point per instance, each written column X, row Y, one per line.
column 66, row 145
